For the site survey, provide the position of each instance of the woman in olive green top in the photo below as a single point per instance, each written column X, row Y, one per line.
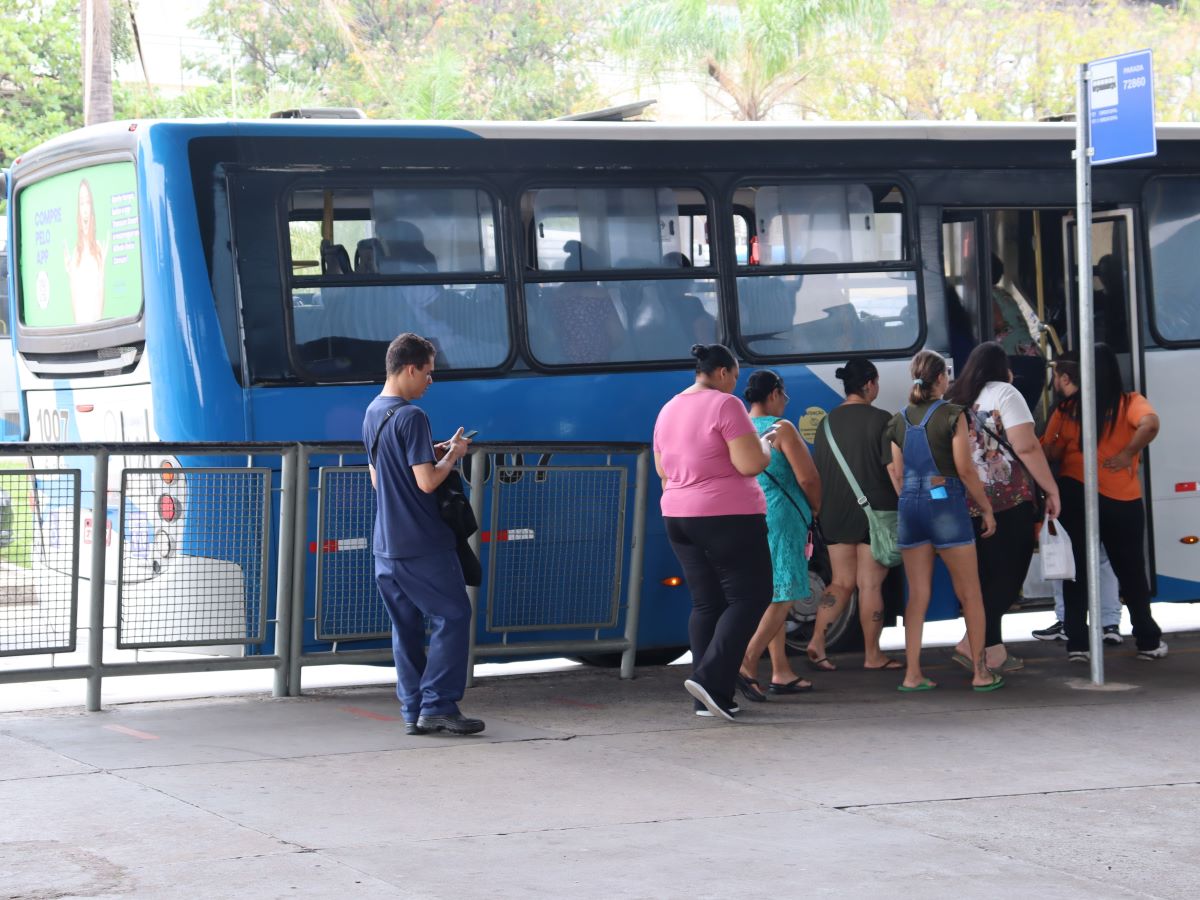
column 858, row 428
column 933, row 472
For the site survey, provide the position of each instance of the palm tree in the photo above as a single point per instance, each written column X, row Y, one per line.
column 96, row 32
column 753, row 53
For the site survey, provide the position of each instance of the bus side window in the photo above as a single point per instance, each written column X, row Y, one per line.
column 618, row 286
column 828, row 270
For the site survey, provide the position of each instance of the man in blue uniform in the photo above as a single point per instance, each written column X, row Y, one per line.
column 416, row 565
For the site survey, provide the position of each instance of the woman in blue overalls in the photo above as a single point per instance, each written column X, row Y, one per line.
column 933, row 472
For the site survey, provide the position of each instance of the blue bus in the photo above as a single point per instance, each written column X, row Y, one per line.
column 240, row 281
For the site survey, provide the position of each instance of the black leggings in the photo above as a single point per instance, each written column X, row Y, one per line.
column 1003, row 561
column 727, row 564
column 1123, row 534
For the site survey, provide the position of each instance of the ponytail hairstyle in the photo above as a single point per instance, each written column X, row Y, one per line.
column 856, row 374
column 987, row 363
column 762, row 384
column 926, row 368
column 710, row 357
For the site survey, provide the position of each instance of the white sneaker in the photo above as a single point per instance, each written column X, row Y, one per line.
column 1159, row 652
column 698, row 691
column 1081, row 656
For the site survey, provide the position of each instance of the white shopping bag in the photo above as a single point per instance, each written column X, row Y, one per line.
column 1054, row 548
column 1035, row 586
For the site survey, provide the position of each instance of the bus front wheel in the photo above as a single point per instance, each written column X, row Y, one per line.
column 845, row 632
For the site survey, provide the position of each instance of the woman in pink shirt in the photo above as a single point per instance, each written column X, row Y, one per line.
column 707, row 454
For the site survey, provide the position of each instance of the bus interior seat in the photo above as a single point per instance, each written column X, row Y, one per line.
column 366, row 256
column 768, row 308
column 334, row 259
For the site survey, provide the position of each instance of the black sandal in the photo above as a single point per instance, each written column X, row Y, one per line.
column 750, row 688
column 792, row 687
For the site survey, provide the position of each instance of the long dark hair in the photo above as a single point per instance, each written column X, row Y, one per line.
column 926, row 368
column 1110, row 390
column 710, row 357
column 987, row 362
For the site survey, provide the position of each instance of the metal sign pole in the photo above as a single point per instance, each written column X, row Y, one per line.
column 1087, row 369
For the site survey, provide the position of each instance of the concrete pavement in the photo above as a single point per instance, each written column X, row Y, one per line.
column 587, row 786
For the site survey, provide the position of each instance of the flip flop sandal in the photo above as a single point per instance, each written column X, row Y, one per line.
column 925, row 685
column 996, row 682
column 821, row 664
column 750, row 688
column 964, row 661
column 792, row 687
column 891, row 664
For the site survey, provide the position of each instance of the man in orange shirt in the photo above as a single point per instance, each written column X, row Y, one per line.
column 1126, row 424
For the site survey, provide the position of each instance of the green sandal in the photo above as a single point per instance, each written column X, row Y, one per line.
column 996, row 682
column 925, row 685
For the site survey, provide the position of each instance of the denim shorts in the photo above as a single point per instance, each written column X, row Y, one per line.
column 925, row 520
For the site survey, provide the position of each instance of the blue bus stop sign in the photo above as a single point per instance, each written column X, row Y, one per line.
column 1121, row 107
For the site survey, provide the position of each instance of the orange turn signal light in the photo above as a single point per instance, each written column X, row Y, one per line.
column 673, row 581
column 168, row 474
column 1190, row 539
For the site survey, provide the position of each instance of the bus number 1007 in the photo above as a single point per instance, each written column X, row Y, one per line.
column 52, row 425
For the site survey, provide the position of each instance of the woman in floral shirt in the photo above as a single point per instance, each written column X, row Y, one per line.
column 1009, row 460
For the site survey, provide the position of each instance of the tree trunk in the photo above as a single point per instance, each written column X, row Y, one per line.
column 96, row 33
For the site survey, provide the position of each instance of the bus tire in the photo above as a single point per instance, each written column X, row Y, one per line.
column 654, row 656
column 845, row 633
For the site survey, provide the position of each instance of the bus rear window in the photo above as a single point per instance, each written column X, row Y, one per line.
column 80, row 257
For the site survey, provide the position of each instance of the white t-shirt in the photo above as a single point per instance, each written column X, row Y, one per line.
column 1000, row 407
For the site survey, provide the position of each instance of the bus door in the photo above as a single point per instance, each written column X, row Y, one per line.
column 1003, row 283
column 1117, row 321
column 1114, row 290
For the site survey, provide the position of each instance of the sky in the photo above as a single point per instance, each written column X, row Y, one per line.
column 167, row 41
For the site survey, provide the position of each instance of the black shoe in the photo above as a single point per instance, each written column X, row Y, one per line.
column 1056, row 632
column 1112, row 635
column 702, row 711
column 454, row 723
column 413, row 728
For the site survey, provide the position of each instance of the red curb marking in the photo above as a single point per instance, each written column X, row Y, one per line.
column 133, row 732
column 367, row 714
column 570, row 701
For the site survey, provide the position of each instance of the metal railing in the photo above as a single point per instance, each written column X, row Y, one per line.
column 191, row 561
column 181, row 578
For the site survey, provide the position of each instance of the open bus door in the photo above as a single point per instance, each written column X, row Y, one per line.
column 1117, row 322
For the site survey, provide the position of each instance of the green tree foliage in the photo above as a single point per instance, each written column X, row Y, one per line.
column 40, row 74
column 753, row 54
column 489, row 59
column 1003, row 59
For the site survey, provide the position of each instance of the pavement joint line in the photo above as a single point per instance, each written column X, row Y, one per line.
column 807, row 808
column 210, row 812
column 458, row 744
column 854, row 807
column 992, row 851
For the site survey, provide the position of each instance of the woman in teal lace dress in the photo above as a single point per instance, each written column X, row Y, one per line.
column 793, row 491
